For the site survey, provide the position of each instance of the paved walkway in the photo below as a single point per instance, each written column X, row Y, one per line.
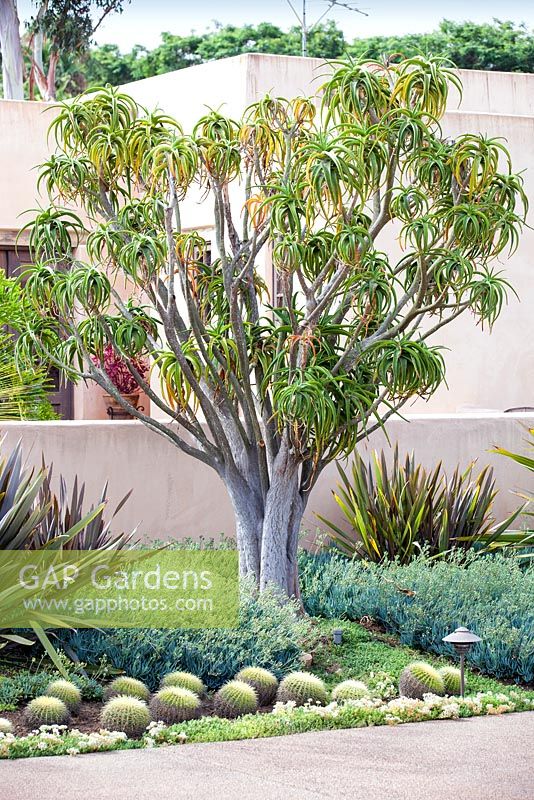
column 489, row 758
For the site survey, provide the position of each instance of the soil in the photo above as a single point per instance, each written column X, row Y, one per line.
column 88, row 718
column 379, row 631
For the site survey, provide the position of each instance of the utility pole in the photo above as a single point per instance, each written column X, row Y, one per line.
column 304, row 30
column 303, row 20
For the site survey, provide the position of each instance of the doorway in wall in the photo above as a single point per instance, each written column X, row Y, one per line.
column 61, row 394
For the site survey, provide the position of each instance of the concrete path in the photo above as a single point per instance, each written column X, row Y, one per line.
column 486, row 758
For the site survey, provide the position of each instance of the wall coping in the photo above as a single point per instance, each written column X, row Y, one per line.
column 126, row 424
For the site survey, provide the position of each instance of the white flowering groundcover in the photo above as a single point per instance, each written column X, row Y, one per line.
column 285, row 718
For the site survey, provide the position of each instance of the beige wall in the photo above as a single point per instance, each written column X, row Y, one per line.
column 176, row 496
column 23, row 144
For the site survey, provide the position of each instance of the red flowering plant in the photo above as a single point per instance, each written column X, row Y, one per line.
column 117, row 370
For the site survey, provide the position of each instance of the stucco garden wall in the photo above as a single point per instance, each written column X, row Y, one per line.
column 175, row 496
column 23, row 144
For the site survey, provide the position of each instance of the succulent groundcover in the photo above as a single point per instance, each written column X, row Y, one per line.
column 285, row 718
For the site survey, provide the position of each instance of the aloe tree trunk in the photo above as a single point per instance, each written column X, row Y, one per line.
column 11, row 49
column 268, row 526
column 282, row 519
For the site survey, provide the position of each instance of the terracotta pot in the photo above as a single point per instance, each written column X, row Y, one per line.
column 114, row 408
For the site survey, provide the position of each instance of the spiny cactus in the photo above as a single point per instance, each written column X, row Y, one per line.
column 350, row 690
column 66, row 691
column 263, row 681
column 234, row 699
column 420, row 678
column 129, row 687
column 174, row 704
column 46, row 710
column 127, row 714
column 451, row 680
column 6, row 726
column 186, row 680
column 301, row 687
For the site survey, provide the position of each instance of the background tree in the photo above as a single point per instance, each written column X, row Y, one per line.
column 59, row 28
column 106, row 64
column 265, row 394
column 499, row 46
column 11, row 51
column 66, row 26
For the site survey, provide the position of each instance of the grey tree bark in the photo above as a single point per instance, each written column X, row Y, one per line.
column 268, row 527
column 11, row 49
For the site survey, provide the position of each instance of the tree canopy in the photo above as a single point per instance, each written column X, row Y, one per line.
column 268, row 384
column 501, row 46
column 58, row 34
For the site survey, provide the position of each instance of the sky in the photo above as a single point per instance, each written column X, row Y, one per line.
column 144, row 20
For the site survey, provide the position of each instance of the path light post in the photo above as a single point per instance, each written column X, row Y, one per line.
column 462, row 640
column 337, row 635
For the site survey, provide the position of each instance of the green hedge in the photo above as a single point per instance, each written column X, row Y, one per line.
column 424, row 600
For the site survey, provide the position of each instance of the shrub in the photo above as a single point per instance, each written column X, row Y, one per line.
column 262, row 681
column 32, row 516
column 23, row 389
column 425, row 600
column 420, row 678
column 117, row 370
column 6, row 726
column 301, row 687
column 185, row 680
column 392, row 512
column 174, row 704
column 129, row 687
column 127, row 714
column 522, row 539
column 234, row 699
column 350, row 690
column 268, row 634
column 451, row 680
column 46, row 711
column 25, row 685
column 66, row 691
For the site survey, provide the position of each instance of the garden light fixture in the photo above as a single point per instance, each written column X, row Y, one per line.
column 462, row 640
column 337, row 635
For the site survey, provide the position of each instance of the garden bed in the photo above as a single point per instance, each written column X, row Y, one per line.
column 281, row 722
column 366, row 653
column 87, row 720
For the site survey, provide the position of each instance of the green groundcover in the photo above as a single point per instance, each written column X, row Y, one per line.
column 119, row 589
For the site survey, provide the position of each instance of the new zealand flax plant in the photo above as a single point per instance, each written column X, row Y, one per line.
column 522, row 539
column 33, row 518
column 395, row 512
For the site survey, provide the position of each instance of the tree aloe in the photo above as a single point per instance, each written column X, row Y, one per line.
column 267, row 388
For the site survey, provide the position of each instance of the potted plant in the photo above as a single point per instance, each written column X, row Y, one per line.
column 117, row 371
